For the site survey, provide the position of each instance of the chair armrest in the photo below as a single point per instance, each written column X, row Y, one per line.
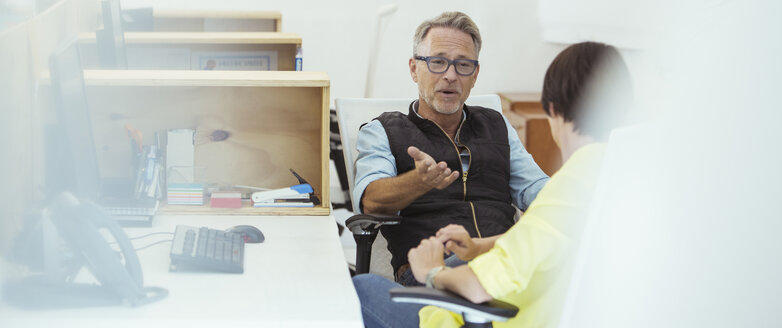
column 360, row 224
column 365, row 229
column 493, row 310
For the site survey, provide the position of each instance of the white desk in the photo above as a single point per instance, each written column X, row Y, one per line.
column 296, row 278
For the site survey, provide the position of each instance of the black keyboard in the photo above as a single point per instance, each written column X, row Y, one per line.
column 206, row 249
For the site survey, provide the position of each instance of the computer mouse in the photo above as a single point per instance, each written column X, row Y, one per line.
column 249, row 233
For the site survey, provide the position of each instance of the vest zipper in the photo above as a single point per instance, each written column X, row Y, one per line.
column 464, row 174
column 458, row 155
column 475, row 220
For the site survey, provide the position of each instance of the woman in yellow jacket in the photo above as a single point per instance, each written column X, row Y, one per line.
column 529, row 265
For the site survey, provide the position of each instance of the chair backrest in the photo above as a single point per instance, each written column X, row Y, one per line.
column 353, row 112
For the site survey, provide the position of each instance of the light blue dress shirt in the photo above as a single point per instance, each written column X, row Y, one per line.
column 375, row 161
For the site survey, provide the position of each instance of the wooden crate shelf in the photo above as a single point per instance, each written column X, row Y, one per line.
column 275, row 121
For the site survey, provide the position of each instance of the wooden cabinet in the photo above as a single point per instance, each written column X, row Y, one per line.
column 274, row 121
column 526, row 115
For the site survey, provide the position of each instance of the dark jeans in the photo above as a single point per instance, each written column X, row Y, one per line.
column 377, row 309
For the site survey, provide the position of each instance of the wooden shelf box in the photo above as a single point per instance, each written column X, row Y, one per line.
column 275, row 121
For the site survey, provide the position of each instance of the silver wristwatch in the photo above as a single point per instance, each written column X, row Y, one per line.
column 431, row 274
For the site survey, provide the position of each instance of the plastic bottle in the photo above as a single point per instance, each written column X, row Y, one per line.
column 298, row 59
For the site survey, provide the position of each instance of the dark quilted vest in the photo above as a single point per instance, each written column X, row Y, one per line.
column 485, row 134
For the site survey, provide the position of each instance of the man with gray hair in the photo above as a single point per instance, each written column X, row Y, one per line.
column 409, row 163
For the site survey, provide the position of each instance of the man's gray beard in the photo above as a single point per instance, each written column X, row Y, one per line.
column 430, row 103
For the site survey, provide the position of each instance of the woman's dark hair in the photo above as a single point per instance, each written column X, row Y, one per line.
column 588, row 84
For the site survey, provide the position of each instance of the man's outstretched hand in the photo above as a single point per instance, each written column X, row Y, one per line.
column 434, row 175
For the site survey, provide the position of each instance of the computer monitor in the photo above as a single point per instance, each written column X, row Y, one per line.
column 111, row 39
column 72, row 158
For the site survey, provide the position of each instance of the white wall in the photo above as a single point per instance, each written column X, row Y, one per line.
column 337, row 34
column 687, row 233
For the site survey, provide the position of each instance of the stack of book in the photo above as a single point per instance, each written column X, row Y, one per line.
column 185, row 194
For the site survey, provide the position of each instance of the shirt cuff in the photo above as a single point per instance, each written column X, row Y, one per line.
column 489, row 268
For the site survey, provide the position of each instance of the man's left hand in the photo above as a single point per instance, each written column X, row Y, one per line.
column 425, row 257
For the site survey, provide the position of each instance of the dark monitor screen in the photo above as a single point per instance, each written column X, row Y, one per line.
column 73, row 145
column 111, row 39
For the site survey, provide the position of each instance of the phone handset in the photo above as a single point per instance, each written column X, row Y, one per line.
column 79, row 223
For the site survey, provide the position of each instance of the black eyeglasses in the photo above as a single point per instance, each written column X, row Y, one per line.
column 464, row 67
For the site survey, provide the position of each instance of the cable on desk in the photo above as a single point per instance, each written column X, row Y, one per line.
column 151, row 234
column 144, row 236
column 155, row 243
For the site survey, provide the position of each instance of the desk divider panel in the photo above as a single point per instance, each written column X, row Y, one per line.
column 216, row 21
column 275, row 121
column 176, row 50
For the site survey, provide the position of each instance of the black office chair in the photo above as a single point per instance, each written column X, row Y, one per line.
column 336, row 155
column 365, row 228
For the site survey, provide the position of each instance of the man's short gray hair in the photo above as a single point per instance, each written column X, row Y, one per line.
column 452, row 19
